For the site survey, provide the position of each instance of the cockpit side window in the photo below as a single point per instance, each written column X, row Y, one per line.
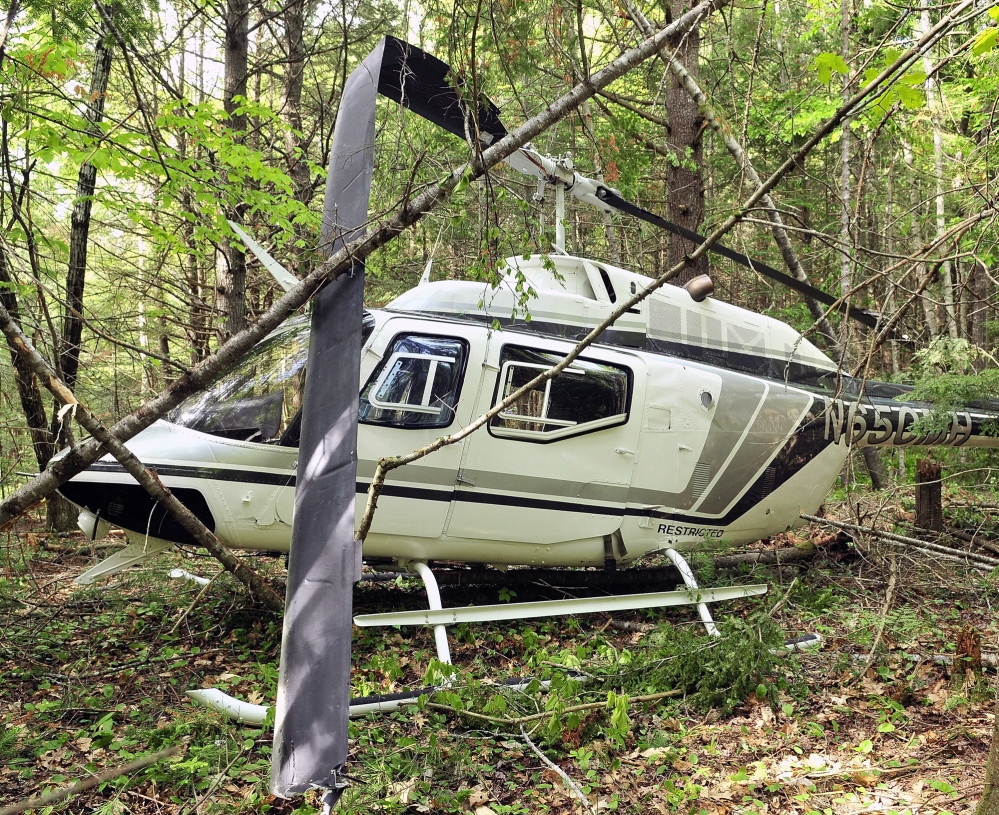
column 417, row 384
column 586, row 396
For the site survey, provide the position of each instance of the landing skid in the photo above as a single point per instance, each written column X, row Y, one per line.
column 439, row 617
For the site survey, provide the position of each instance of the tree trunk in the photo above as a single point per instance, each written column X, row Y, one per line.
column 61, row 515
column 684, row 178
column 929, row 495
column 27, row 388
column 916, row 235
column 989, row 804
column 876, row 468
column 230, row 273
column 933, row 104
column 978, row 307
column 72, row 327
column 845, row 187
column 291, row 99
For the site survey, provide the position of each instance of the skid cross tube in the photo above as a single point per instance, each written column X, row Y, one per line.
column 691, row 583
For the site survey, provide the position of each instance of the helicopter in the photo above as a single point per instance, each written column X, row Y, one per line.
column 690, row 421
column 693, row 420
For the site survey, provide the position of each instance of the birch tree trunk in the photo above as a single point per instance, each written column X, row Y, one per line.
column 916, row 236
column 933, row 103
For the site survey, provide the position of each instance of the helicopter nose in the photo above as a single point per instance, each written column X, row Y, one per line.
column 109, row 494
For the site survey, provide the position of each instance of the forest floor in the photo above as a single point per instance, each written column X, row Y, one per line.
column 880, row 718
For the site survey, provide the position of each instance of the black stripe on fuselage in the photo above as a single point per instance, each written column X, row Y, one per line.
column 212, row 473
column 426, row 494
column 391, row 490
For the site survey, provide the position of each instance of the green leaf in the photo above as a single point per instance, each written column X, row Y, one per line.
column 994, row 13
column 825, row 64
column 941, row 786
column 911, row 98
column 985, row 41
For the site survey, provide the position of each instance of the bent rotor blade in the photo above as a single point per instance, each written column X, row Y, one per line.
column 313, row 703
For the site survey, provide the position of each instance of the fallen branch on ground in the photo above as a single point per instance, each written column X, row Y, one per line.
column 974, row 559
column 519, row 720
column 82, row 786
column 572, row 785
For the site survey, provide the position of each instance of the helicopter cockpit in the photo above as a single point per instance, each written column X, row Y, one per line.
column 260, row 398
column 257, row 399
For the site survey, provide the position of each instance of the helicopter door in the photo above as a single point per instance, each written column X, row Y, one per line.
column 555, row 466
column 408, row 400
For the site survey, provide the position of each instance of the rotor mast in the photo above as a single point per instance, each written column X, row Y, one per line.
column 560, row 173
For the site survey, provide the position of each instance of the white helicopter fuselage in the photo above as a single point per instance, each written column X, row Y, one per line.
column 632, row 450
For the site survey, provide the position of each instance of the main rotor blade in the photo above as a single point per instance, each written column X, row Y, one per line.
column 613, row 199
column 310, row 731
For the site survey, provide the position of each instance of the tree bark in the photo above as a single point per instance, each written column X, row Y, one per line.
column 929, row 495
column 230, row 272
column 989, row 803
column 978, row 307
column 291, row 98
column 72, row 327
column 876, row 468
column 60, row 514
column 845, row 187
column 27, row 389
column 684, row 176
column 933, row 104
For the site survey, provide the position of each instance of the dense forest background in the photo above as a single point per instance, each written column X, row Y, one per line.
column 131, row 131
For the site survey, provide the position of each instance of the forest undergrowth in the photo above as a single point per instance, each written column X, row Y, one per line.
column 641, row 713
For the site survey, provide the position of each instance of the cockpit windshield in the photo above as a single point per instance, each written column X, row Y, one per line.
column 259, row 397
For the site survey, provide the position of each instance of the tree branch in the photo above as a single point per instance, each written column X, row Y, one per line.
column 82, row 786
column 147, row 478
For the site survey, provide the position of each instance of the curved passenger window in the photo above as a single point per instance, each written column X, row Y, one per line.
column 417, row 384
column 586, row 396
